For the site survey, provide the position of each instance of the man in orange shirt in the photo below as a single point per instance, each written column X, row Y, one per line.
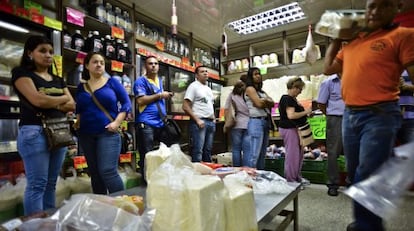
column 371, row 65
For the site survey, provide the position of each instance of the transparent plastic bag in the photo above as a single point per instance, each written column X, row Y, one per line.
column 381, row 193
column 88, row 212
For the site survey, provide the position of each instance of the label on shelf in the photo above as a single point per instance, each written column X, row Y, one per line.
column 52, row 23
column 57, row 68
column 75, row 17
column 80, row 56
column 117, row 32
column 117, row 66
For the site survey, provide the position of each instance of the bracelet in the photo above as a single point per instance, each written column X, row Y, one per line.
column 58, row 107
column 160, row 95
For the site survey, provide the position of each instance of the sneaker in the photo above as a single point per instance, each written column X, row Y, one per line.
column 305, row 182
column 333, row 192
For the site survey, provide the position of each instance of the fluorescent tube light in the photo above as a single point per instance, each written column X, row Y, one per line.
column 285, row 14
column 13, row 27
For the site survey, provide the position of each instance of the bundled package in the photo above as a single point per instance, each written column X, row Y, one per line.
column 340, row 23
column 183, row 199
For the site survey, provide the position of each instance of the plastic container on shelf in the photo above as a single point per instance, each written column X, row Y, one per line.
column 98, row 10
column 110, row 15
column 78, row 42
column 109, row 47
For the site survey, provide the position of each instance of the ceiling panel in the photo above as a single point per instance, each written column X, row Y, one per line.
column 207, row 19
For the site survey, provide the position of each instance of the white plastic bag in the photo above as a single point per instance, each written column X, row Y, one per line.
column 310, row 51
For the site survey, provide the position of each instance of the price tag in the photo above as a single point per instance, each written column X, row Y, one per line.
column 318, row 125
column 117, row 66
column 80, row 56
column 159, row 45
column 57, row 68
column 117, row 32
column 52, row 23
column 125, row 158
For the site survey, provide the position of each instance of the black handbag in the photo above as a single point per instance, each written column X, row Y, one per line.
column 57, row 132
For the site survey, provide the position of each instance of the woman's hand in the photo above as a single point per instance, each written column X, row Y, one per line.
column 112, row 127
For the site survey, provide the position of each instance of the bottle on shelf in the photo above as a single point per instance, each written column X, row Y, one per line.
column 109, row 47
column 116, row 76
column 96, row 42
column 127, row 21
column 128, row 53
column 126, row 81
column 110, row 15
column 78, row 42
column 119, row 18
column 120, row 51
column 98, row 11
column 67, row 39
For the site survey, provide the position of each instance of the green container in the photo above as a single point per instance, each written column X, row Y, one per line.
column 341, row 163
column 315, row 165
column 275, row 165
column 315, row 177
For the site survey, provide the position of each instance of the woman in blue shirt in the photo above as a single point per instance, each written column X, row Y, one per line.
column 98, row 134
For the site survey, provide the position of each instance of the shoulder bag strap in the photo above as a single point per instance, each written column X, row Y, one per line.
column 95, row 100
column 157, row 102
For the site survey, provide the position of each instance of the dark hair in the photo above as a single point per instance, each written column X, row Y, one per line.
column 243, row 78
column 295, row 82
column 31, row 44
column 239, row 88
column 198, row 68
column 250, row 81
column 88, row 57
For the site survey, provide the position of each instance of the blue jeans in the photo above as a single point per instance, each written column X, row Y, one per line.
column 406, row 132
column 41, row 166
column 145, row 136
column 368, row 138
column 102, row 155
column 239, row 145
column 201, row 140
column 258, row 139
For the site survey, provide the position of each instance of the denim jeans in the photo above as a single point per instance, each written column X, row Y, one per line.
column 102, row 155
column 41, row 166
column 239, row 145
column 369, row 137
column 201, row 140
column 406, row 132
column 258, row 140
column 145, row 137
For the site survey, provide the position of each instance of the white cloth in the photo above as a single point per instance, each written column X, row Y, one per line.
column 202, row 99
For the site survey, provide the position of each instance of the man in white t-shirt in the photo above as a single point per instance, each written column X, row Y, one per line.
column 198, row 104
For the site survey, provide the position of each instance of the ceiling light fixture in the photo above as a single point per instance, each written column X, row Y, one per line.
column 13, row 27
column 282, row 15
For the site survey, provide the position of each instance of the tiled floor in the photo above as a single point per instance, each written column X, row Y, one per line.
column 320, row 212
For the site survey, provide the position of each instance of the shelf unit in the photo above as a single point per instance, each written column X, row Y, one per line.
column 282, row 45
